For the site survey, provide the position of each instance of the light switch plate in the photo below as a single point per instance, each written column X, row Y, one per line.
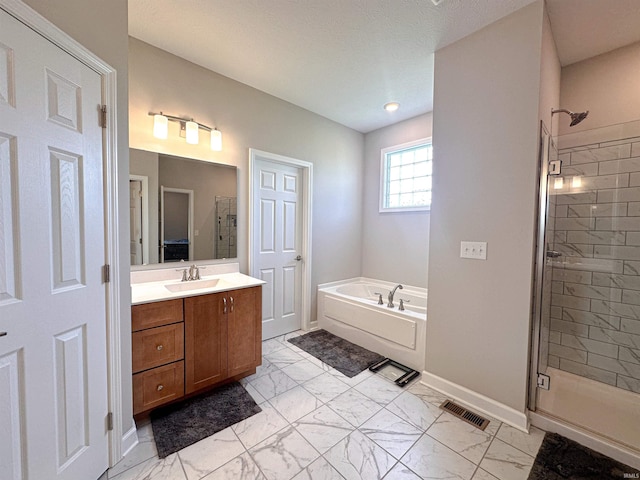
column 475, row 250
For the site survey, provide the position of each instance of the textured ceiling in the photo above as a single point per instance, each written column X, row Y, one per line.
column 342, row 59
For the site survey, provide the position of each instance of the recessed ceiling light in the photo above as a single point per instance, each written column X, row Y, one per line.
column 391, row 106
column 436, row 2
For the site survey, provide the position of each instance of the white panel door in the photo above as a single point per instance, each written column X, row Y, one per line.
column 53, row 366
column 277, row 242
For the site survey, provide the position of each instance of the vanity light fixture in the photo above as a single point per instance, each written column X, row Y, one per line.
column 188, row 129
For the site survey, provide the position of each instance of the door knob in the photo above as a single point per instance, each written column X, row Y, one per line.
column 298, row 258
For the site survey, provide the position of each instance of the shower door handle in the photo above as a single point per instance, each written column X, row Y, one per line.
column 553, row 254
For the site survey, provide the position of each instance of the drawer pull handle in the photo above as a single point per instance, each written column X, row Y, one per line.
column 232, row 304
column 224, row 303
column 159, row 347
column 159, row 387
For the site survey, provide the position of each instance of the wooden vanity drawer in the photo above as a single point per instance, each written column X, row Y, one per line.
column 157, row 346
column 156, row 314
column 157, row 386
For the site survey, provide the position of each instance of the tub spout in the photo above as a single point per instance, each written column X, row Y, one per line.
column 391, row 294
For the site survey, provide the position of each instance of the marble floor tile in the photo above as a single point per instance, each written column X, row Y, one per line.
column 323, row 428
column 295, row 403
column 391, row 432
column 401, row 472
column 431, row 460
column 303, row 371
column 506, row 462
column 273, row 384
column 414, row 410
column 351, row 381
column 354, row 407
column 528, row 443
column 242, row 467
column 168, row 468
column 285, row 338
column 427, row 394
column 283, row 455
column 467, row 440
column 379, row 389
column 482, row 475
column 262, row 425
column 325, row 387
column 319, row 470
column 271, row 345
column 254, row 394
column 145, row 450
column 284, row 357
column 358, row 457
column 205, row 456
column 261, row 370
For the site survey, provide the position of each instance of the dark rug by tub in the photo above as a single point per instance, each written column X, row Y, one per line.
column 560, row 459
column 182, row 424
column 346, row 357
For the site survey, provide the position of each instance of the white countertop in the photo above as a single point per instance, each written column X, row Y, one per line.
column 161, row 288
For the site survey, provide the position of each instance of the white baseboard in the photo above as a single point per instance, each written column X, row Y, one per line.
column 477, row 401
column 588, row 439
column 129, row 440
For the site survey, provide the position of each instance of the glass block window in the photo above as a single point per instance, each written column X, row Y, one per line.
column 405, row 177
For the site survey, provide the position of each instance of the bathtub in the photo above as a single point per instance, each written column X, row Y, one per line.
column 349, row 309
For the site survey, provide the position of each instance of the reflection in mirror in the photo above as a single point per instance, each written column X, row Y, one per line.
column 181, row 209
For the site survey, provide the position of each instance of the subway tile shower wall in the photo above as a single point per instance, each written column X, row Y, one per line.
column 595, row 289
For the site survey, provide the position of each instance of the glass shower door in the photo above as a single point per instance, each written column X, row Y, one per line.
column 588, row 329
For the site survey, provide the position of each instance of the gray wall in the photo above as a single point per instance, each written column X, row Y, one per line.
column 395, row 246
column 606, row 85
column 485, row 130
column 102, row 27
column 249, row 118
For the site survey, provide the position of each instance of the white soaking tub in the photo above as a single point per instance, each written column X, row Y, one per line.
column 349, row 309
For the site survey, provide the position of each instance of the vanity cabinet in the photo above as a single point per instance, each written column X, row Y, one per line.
column 185, row 345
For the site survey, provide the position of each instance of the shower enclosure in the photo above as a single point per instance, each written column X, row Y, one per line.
column 226, row 227
column 586, row 328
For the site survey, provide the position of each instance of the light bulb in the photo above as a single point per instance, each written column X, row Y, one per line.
column 192, row 132
column 160, row 126
column 576, row 182
column 558, row 183
column 216, row 140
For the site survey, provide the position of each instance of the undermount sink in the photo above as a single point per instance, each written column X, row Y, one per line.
column 192, row 285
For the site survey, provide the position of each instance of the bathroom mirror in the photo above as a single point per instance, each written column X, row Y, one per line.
column 180, row 209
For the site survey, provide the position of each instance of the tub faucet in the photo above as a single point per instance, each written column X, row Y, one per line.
column 391, row 294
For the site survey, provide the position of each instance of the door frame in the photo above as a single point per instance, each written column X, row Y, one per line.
column 144, row 180
column 49, row 31
column 190, row 230
column 540, row 259
column 254, row 217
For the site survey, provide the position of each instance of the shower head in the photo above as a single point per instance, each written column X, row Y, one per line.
column 576, row 118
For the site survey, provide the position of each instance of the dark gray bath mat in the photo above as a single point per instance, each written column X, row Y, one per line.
column 562, row 459
column 346, row 357
column 182, row 424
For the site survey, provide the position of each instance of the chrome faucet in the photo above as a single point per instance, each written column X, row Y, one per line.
column 391, row 294
column 194, row 272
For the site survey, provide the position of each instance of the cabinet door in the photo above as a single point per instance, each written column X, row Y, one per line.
column 205, row 328
column 245, row 329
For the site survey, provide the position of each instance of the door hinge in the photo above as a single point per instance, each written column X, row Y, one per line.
column 555, row 167
column 106, row 273
column 544, row 381
column 110, row 421
column 103, row 116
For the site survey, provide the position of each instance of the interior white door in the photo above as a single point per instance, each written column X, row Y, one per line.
column 277, row 243
column 135, row 221
column 53, row 365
